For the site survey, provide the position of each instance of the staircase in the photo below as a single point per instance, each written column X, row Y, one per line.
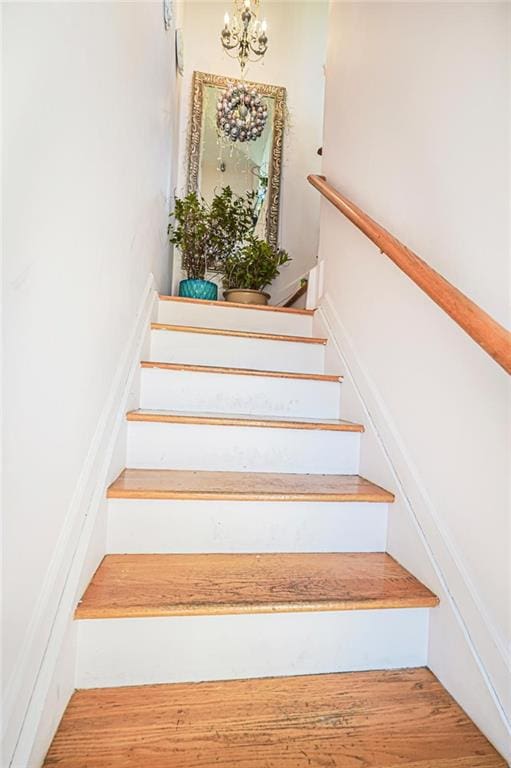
column 246, row 613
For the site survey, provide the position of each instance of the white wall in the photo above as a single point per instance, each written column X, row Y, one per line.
column 417, row 133
column 89, row 108
column 295, row 59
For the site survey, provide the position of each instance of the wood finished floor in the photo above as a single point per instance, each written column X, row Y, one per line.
column 183, row 585
column 242, row 420
column 237, row 305
column 240, row 371
column 239, row 334
column 389, row 719
column 239, row 486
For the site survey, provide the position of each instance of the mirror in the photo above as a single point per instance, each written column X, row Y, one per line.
column 215, row 161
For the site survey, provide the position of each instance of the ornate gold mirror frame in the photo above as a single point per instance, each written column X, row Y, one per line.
column 278, row 93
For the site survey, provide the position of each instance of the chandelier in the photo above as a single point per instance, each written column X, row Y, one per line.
column 244, row 38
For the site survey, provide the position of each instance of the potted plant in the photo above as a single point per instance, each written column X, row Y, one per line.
column 250, row 268
column 206, row 234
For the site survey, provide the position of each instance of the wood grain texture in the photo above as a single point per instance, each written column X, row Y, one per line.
column 186, row 585
column 243, row 486
column 390, row 719
column 490, row 335
column 225, row 420
column 240, row 371
column 242, row 334
column 258, row 307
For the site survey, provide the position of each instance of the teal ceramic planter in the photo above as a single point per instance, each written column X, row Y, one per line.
column 198, row 289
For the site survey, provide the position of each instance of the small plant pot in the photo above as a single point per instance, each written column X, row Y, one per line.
column 198, row 289
column 246, row 296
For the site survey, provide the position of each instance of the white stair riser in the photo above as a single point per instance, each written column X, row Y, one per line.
column 225, row 393
column 236, row 352
column 114, row 652
column 155, row 445
column 178, row 526
column 234, row 318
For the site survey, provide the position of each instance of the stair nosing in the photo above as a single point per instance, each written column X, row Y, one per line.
column 237, row 305
column 233, row 420
column 230, row 609
column 249, row 496
column 192, row 368
column 241, row 334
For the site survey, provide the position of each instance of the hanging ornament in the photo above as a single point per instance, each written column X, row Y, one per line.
column 241, row 113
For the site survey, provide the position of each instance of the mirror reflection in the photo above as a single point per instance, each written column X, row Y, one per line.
column 249, row 163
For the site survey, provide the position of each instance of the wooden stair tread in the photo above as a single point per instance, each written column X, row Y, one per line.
column 243, row 486
column 240, row 371
column 241, row 334
column 182, row 585
column 382, row 719
column 243, row 420
column 236, row 305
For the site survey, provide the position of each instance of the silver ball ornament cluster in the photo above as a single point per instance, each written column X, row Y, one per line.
column 241, row 113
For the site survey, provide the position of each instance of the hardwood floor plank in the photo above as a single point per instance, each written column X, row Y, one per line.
column 227, row 420
column 387, row 719
column 184, row 585
column 243, row 486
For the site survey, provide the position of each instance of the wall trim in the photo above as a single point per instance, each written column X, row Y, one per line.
column 482, row 638
column 286, row 291
column 38, row 661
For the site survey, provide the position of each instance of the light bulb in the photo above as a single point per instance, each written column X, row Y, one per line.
column 264, row 25
column 226, row 20
column 247, row 4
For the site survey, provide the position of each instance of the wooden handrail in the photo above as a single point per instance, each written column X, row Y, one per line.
column 486, row 331
column 297, row 294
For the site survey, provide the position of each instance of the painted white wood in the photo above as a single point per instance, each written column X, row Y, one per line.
column 45, row 672
column 471, row 665
column 212, row 315
column 60, row 688
column 312, row 295
column 230, row 393
column 158, row 525
column 245, row 449
column 116, row 652
column 321, row 280
column 236, row 352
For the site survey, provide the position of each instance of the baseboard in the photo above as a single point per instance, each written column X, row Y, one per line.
column 45, row 672
column 460, row 629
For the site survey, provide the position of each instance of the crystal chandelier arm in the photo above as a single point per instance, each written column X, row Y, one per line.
column 248, row 37
column 228, row 47
column 261, row 50
column 227, row 35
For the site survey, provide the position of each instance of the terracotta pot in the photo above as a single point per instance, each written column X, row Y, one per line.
column 246, row 296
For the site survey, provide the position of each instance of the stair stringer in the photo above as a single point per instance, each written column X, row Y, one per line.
column 416, row 541
column 44, row 691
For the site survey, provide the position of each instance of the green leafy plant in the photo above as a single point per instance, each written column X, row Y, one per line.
column 206, row 234
column 254, row 265
column 191, row 234
column 231, row 219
